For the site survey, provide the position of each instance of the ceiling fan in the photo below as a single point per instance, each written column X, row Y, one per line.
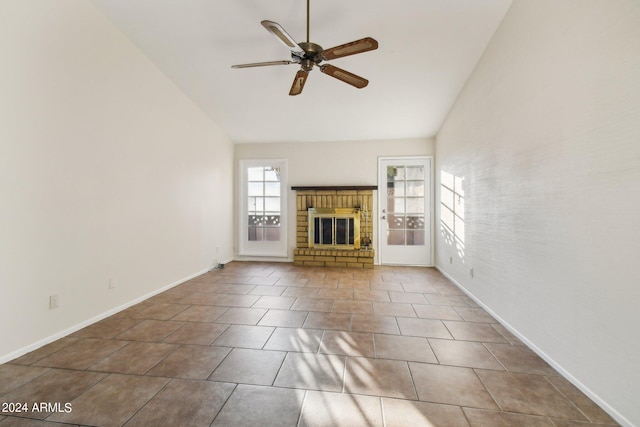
column 309, row 54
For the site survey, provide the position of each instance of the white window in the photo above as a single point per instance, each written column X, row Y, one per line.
column 263, row 199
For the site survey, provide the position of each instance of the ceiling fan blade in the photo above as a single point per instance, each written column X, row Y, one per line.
column 262, row 64
column 345, row 76
column 358, row 46
column 275, row 29
column 298, row 82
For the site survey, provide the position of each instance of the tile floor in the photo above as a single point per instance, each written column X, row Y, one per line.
column 258, row 344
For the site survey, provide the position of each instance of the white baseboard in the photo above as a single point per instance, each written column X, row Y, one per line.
column 566, row 374
column 24, row 350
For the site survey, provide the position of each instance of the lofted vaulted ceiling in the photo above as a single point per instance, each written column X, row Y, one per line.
column 427, row 50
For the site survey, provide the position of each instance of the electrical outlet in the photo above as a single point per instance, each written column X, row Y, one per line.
column 450, row 260
column 53, row 302
column 471, row 272
column 112, row 283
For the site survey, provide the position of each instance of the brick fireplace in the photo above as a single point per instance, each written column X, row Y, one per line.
column 334, row 226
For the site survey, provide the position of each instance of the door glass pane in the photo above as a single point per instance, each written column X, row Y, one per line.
column 395, row 237
column 415, row 237
column 272, row 204
column 255, row 174
column 271, row 188
column 415, row 188
column 272, row 174
column 415, row 205
column 395, row 222
column 415, row 172
column 255, row 188
column 272, row 234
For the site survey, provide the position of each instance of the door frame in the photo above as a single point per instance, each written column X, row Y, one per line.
column 429, row 159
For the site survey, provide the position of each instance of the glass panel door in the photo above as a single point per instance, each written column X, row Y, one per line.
column 263, row 208
column 405, row 217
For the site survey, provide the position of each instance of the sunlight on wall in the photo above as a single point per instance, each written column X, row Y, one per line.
column 452, row 212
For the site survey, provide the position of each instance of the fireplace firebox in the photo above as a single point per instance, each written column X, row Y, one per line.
column 337, row 228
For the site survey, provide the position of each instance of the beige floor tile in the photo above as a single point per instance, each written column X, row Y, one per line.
column 367, row 295
column 393, row 309
column 464, row 353
column 241, row 316
column 450, row 300
column 236, row 288
column 244, row 336
column 356, row 307
column 134, row 358
column 312, row 372
column 190, row 362
column 300, row 292
column 230, row 300
column 312, row 304
column 44, row 351
column 196, row 333
column 323, row 409
column 416, row 349
column 474, row 314
column 338, row 293
column 354, row 284
column 528, row 394
column 180, row 403
column 107, row 328
column 379, row 377
column 284, row 318
column 407, row 297
column 440, row 312
column 251, row 406
column 518, row 358
column 295, row 339
column 55, row 386
column 428, row 328
column 483, row 417
column 161, row 311
column 276, row 302
column 112, row 401
column 347, row 343
column 200, row 313
column 81, row 354
column 580, row 400
column 150, row 330
column 450, row 385
column 374, row 324
column 274, row 291
column 246, row 366
column 404, row 413
column 336, row 321
column 470, row 331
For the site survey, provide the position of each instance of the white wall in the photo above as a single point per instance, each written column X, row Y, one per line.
column 331, row 163
column 107, row 171
column 545, row 138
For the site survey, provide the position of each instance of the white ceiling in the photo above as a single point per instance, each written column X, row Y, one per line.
column 427, row 50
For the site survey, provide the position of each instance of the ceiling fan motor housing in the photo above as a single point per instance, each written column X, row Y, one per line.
column 312, row 55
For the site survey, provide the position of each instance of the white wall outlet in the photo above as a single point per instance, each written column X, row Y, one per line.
column 112, row 283
column 471, row 272
column 53, row 302
column 450, row 260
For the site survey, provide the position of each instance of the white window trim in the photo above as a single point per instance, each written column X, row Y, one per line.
column 262, row 248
